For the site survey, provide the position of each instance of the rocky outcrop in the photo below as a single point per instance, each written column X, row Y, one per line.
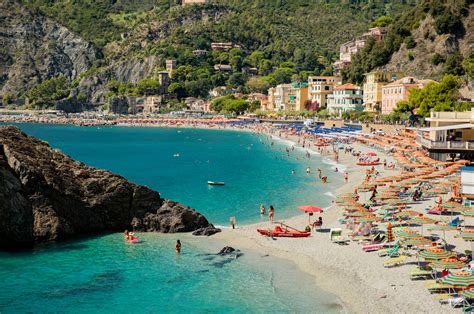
column 34, row 48
column 207, row 231
column 45, row 196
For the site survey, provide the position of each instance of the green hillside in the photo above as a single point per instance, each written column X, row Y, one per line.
column 286, row 40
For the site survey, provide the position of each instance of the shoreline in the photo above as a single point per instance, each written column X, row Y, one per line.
column 358, row 279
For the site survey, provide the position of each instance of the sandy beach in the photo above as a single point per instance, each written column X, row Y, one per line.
column 359, row 279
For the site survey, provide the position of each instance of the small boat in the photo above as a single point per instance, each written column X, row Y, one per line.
column 134, row 240
column 215, row 183
column 280, row 232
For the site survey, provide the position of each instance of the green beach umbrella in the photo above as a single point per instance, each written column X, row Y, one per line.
column 468, row 293
column 369, row 219
column 468, row 236
column 443, row 228
column 420, row 241
column 435, row 254
column 405, row 233
column 447, row 263
column 458, row 280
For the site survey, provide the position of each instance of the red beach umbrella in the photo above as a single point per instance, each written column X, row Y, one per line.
column 371, row 154
column 310, row 209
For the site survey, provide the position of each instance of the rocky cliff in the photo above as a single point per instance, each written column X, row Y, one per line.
column 34, row 48
column 45, row 196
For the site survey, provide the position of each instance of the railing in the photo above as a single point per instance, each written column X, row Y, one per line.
column 444, row 145
column 466, row 115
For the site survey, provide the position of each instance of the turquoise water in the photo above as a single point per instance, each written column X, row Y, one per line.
column 106, row 275
column 254, row 171
column 103, row 274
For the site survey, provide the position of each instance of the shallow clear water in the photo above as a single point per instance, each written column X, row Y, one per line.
column 104, row 274
column 254, row 171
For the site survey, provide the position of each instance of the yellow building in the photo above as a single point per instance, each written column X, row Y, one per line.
column 287, row 97
column 374, row 81
column 320, row 87
column 297, row 97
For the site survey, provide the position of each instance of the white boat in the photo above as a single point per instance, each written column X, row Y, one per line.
column 215, row 183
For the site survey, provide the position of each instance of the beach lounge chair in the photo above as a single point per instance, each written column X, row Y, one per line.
column 456, row 222
column 454, row 301
column 417, row 273
column 373, row 247
column 336, row 236
column 389, row 251
column 395, row 261
column 434, row 287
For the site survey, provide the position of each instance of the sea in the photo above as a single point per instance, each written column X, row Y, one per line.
column 103, row 274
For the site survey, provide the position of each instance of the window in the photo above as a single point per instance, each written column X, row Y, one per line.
column 326, row 87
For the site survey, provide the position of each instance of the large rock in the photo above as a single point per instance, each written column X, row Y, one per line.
column 45, row 195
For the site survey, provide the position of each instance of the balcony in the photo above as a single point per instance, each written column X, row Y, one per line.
column 444, row 145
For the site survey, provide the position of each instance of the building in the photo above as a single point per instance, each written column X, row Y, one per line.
column 449, row 136
column 199, row 52
column 374, row 81
column 153, row 104
column 345, row 98
column 223, row 67
column 297, row 97
column 398, row 91
column 320, row 87
column 350, row 48
column 164, row 79
column 222, row 46
column 278, row 97
column 170, row 66
column 190, row 2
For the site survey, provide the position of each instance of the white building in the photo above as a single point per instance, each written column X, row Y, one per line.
column 344, row 98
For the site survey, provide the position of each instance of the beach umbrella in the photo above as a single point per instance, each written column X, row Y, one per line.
column 458, row 280
column 368, row 219
column 407, row 213
column 447, row 263
column 434, row 254
column 469, row 294
column 443, row 228
column 389, row 233
column 468, row 236
column 371, row 154
column 419, row 241
column 405, row 235
column 310, row 209
column 468, row 213
column 422, row 220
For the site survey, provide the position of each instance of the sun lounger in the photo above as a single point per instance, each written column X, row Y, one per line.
column 417, row 273
column 454, row 301
column 395, row 261
column 435, row 287
column 373, row 247
column 389, row 251
column 444, row 296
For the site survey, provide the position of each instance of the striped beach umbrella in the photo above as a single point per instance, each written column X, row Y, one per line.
column 447, row 263
column 468, row 236
column 459, row 280
column 468, row 293
column 468, row 213
column 434, row 254
column 389, row 233
column 405, row 233
column 369, row 219
column 407, row 213
column 419, row 241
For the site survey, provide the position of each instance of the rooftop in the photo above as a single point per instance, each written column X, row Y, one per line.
column 348, row 86
column 449, row 127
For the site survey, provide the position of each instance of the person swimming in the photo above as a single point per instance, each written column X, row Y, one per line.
column 178, row 246
column 292, row 172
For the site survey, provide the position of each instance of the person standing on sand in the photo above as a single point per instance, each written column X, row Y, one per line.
column 271, row 213
column 346, row 176
column 178, row 246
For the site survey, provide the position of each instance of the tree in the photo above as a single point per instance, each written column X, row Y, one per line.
column 382, row 21
column 236, row 106
column 177, row 89
column 257, row 85
column 254, row 105
column 468, row 65
column 53, row 89
column 217, row 104
column 255, row 58
column 236, row 80
column 442, row 96
column 148, row 86
column 282, row 75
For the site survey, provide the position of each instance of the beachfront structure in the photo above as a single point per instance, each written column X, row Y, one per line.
column 450, row 135
column 398, row 91
column 345, row 97
column 320, row 87
column 374, row 81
